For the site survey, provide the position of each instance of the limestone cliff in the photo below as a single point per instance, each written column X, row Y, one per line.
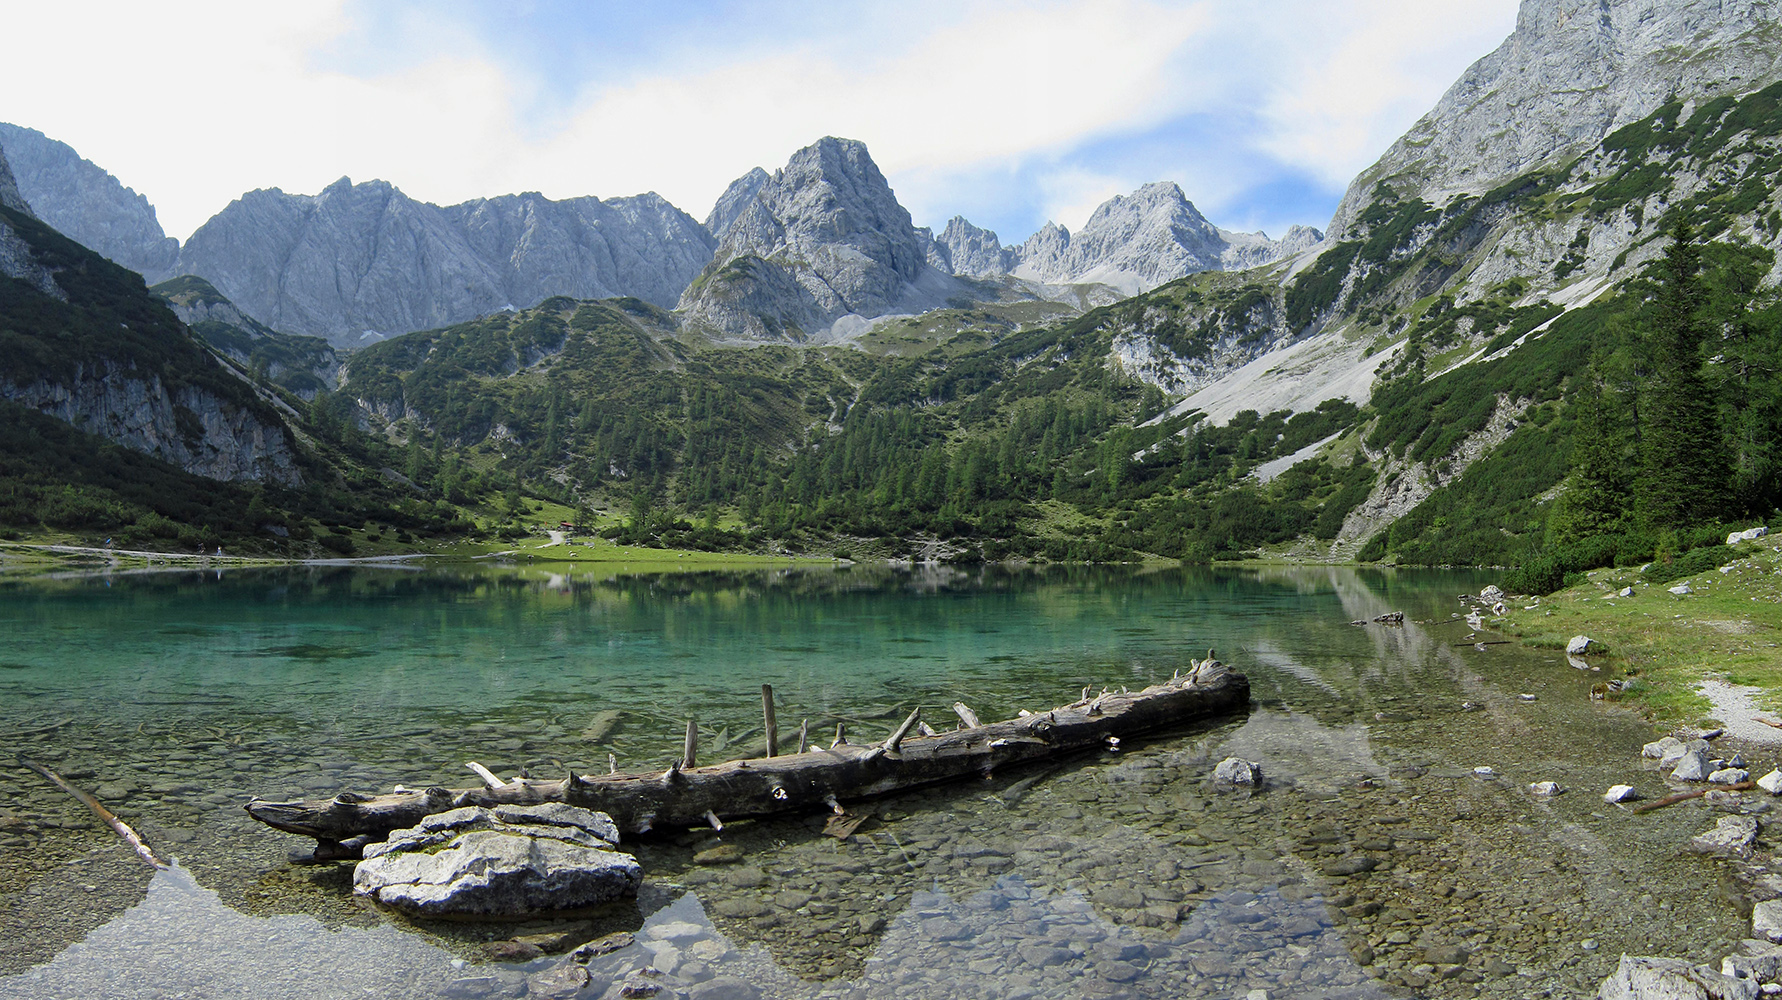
column 363, row 261
column 822, row 238
column 1572, row 72
column 88, row 345
column 87, row 204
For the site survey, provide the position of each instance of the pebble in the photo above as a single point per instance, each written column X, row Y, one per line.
column 1621, row 793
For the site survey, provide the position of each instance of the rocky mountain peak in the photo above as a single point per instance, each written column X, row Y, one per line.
column 735, row 198
column 1572, row 72
column 974, row 252
column 365, row 259
column 86, row 204
column 1133, row 242
column 821, row 238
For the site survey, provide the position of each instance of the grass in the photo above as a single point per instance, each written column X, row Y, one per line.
column 1730, row 628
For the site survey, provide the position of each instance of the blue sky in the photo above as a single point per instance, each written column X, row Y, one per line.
column 1007, row 113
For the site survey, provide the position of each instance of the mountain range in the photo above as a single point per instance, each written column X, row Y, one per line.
column 360, row 262
column 1409, row 387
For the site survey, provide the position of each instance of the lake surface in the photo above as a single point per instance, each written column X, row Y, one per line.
column 1374, row 863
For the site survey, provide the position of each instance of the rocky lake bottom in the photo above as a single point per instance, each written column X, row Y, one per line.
column 1374, row 861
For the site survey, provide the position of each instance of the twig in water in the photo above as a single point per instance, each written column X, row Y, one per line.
column 122, row 828
column 1671, row 800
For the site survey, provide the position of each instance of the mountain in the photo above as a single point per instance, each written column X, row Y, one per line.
column 362, row 261
column 304, row 365
column 9, row 187
column 1139, row 241
column 733, row 201
column 973, row 252
column 90, row 206
column 820, row 239
column 1571, row 73
column 86, row 344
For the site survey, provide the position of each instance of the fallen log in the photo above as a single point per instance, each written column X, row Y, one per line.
column 682, row 797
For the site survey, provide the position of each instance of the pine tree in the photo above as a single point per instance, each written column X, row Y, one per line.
column 1597, row 497
column 1686, row 477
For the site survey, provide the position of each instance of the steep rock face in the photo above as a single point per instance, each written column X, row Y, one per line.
column 96, row 350
column 1139, row 241
column 1572, row 72
column 9, row 187
column 187, row 427
column 87, row 204
column 974, row 252
column 731, row 203
column 822, row 238
column 362, row 259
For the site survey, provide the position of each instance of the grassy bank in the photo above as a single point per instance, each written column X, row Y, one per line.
column 1729, row 627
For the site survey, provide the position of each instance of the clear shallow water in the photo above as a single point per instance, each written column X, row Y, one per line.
column 177, row 697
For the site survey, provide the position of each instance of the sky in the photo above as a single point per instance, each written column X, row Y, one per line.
column 1009, row 113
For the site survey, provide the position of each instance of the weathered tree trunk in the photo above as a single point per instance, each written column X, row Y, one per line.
column 679, row 798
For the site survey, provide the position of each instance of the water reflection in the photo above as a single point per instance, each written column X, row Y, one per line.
column 1373, row 860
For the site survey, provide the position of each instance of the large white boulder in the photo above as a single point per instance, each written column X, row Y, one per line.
column 506, row 861
column 1648, row 978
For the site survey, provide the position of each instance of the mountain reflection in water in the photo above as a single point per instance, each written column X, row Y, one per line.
column 1374, row 861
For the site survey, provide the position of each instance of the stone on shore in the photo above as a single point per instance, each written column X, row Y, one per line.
column 1766, row 920
column 1771, row 782
column 507, row 861
column 1729, row 776
column 1491, row 594
column 1692, row 766
column 1650, row 978
column 1579, row 645
column 1661, row 748
column 1731, row 835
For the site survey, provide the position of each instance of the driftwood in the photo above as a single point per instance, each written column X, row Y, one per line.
column 119, row 826
column 682, row 797
column 1671, row 800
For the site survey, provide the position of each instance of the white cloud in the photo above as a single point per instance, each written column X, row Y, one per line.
column 1371, row 72
column 194, row 103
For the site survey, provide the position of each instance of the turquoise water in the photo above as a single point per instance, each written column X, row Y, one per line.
column 175, row 697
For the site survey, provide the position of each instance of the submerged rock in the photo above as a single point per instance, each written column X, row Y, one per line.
column 1771, row 782
column 1649, row 978
column 1621, row 793
column 509, row 861
column 1238, row 771
column 1666, row 748
column 1729, row 776
column 1545, row 788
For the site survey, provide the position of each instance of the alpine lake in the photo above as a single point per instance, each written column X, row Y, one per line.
column 1373, row 862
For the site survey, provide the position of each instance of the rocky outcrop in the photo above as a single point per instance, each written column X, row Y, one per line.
column 9, row 187
column 1148, row 238
column 1572, row 72
column 508, row 861
column 361, row 260
column 974, row 252
column 733, row 201
column 822, row 238
column 186, row 426
column 86, row 204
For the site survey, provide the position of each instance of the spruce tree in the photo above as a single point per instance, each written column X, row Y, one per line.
column 1686, row 476
column 1597, row 497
